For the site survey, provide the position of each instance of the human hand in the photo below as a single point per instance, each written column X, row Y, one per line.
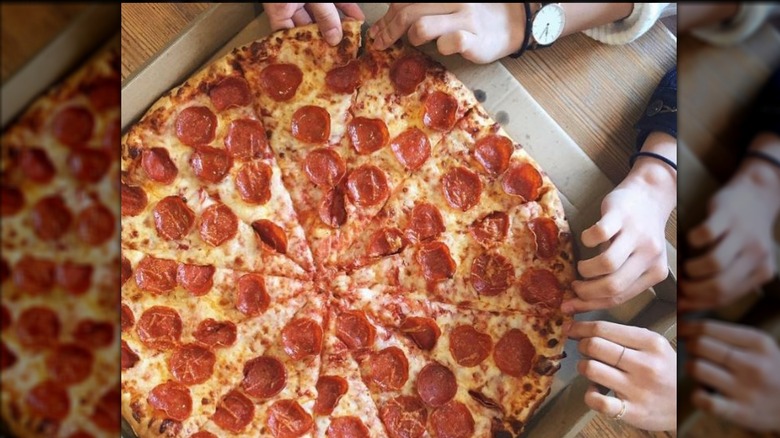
column 740, row 363
column 638, row 365
column 482, row 33
column 289, row 15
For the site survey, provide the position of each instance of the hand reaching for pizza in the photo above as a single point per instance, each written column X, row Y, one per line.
column 326, row 15
column 740, row 364
column 638, row 365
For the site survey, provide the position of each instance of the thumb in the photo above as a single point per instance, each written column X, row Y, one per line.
column 327, row 17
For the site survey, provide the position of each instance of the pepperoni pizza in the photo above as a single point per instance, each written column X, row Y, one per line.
column 317, row 243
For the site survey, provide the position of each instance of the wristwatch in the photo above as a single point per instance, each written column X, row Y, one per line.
column 546, row 25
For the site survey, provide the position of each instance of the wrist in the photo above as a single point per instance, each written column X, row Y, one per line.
column 761, row 173
column 654, row 177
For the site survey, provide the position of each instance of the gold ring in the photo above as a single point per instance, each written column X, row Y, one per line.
column 621, row 357
column 622, row 412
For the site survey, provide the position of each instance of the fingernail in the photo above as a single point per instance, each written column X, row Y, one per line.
column 566, row 327
column 332, row 36
column 373, row 30
column 378, row 45
column 567, row 308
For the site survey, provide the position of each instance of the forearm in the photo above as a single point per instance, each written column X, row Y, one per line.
column 693, row 15
column 583, row 16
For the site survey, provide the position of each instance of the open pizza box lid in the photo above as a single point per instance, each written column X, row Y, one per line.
column 581, row 183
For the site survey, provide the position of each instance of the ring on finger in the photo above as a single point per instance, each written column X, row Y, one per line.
column 622, row 352
column 622, row 412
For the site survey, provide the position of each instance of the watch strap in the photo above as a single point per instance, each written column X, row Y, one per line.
column 527, row 34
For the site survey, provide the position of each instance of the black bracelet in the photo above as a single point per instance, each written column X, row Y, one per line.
column 636, row 155
column 761, row 155
column 527, row 35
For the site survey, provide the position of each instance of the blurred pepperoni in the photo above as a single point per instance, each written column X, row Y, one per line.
column 523, row 180
column 173, row 399
column 493, row 153
column 462, row 188
column 251, row 296
column 104, row 93
column 34, row 276
column 440, row 111
column 407, row 72
column 127, row 318
column 311, row 124
column 195, row 279
column 107, row 415
column 453, row 420
column 5, row 317
column 367, row 135
column 95, row 225
column 11, row 200
column 128, row 357
column 545, row 235
column 246, row 139
column 5, row 270
column 425, row 223
column 281, row 81
column 69, row 364
column 133, row 200
column 218, row 224
column 324, row 167
column 423, row 331
column 302, row 338
column 111, row 138
column 468, row 346
column 514, row 354
column 491, row 274
column 540, row 286
column 272, row 235
column 436, row 384
column 36, row 165
column 253, row 183
column 172, row 218
column 203, row 434
column 264, row 377
column 196, row 125
column 51, row 218
column 126, row 270
column 210, row 164
column 385, row 242
column 411, row 148
column 80, row 434
column 367, row 186
column 490, row 229
column 73, row 126
column 155, row 275
column 88, row 165
column 216, row 333
column 48, row 400
column 159, row 327
column 404, row 417
column 94, row 334
column 158, row 165
column 191, row 364
column 287, row 419
column 344, row 79
column 388, row 369
column 7, row 357
column 435, row 260
column 333, row 210
column 229, row 92
column 354, row 330
column 234, row 412
column 347, row 427
column 330, row 389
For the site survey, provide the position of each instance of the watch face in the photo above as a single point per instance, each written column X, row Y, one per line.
column 548, row 24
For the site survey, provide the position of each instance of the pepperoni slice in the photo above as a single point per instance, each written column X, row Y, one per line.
column 540, row 286
column 347, row 427
column 407, row 72
column 172, row 218
column 126, row 270
column 367, row 135
column 218, row 224
column 333, row 210
column 216, row 333
column 523, row 180
column 253, row 183
column 128, row 357
column 354, row 330
column 385, row 242
column 95, row 225
column 468, row 346
column 34, row 276
column 191, row 364
column 491, row 274
column 344, row 79
column 330, row 389
column 251, row 296
column 453, row 420
column 411, row 148
column 106, row 414
column 37, row 327
column 287, row 419
column 281, row 81
column 35, row 165
column 5, row 271
column 157, row 163
column 435, row 260
column 94, row 334
column 127, row 318
column 80, row 434
column 271, row 235
column 69, row 364
column 234, row 412
column 425, row 223
column 462, row 188
column 545, row 235
column 195, row 279
column 388, row 369
column 404, row 417
column 111, row 138
column 367, row 186
column 423, row 331
column 133, row 200
column 231, row 91
column 159, row 327
column 48, row 400
column 11, row 200
column 311, row 124
column 324, row 167
column 51, row 218
column 490, row 229
column 7, row 357
column 302, row 338
column 203, row 434
column 264, row 377
column 210, row 164
column 246, row 139
column 73, row 126
column 436, row 384
column 88, row 165
column 440, row 111
column 173, row 399
column 196, row 125
column 493, row 153
column 154, row 275
column 5, row 317
column 514, row 354
column 104, row 93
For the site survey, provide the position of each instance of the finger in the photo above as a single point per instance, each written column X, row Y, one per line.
column 603, row 230
column 710, row 230
column 351, row 10
column 388, row 17
column 715, row 377
column 716, row 404
column 732, row 334
column 612, row 285
column 431, row 27
column 301, row 17
column 328, row 21
column 603, row 374
column 636, row 338
column 725, row 286
column 396, row 27
column 576, row 305
column 607, row 352
column 280, row 15
column 610, row 406
column 610, row 260
column 717, row 259
column 458, row 42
